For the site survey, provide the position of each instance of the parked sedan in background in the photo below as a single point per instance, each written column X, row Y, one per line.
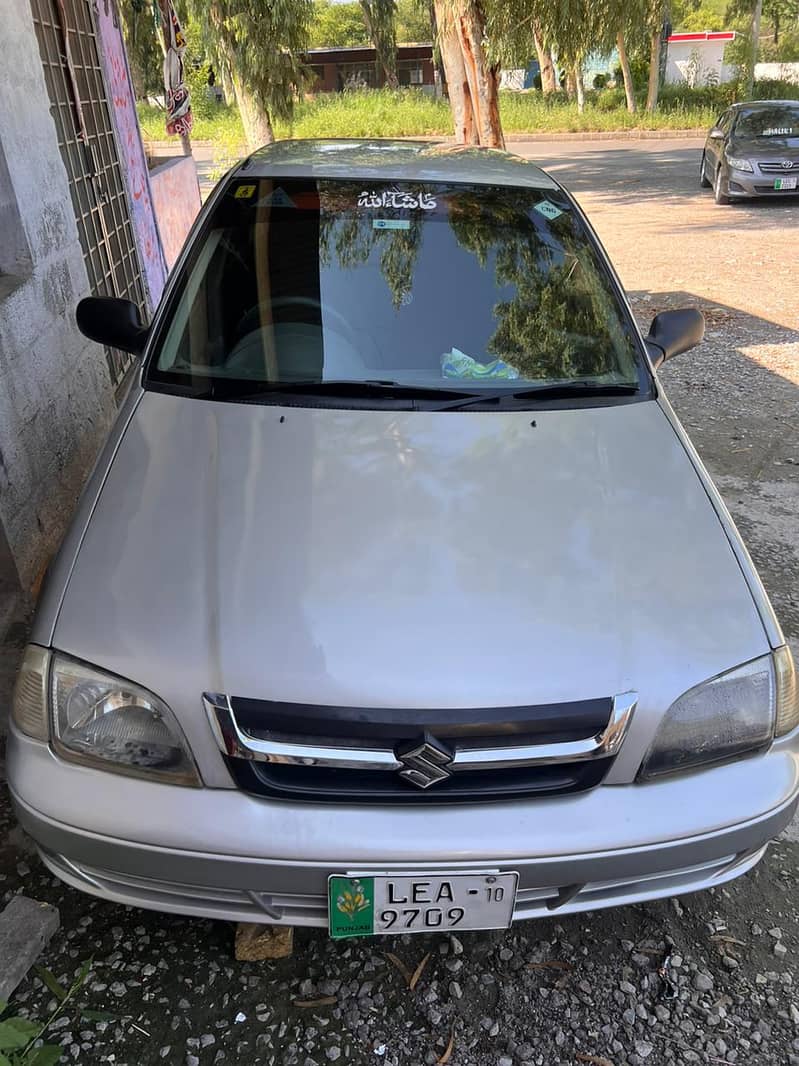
column 753, row 150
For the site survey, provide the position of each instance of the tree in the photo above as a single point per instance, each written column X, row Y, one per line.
column 144, row 55
column 472, row 78
column 629, row 88
column 380, row 19
column 337, row 25
column 414, row 21
column 546, row 64
column 259, row 42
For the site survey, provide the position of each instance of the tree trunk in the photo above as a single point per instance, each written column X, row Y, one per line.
column 654, row 70
column 571, row 84
column 545, row 62
column 473, row 83
column 385, row 58
column 579, row 87
column 255, row 120
column 750, row 81
column 438, row 66
column 629, row 91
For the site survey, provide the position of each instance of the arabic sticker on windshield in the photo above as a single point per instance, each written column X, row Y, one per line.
column 779, row 131
column 396, row 198
column 548, row 210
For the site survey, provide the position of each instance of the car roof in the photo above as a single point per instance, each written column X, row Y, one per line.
column 394, row 161
column 755, row 105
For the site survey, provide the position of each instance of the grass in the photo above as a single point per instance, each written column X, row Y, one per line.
column 409, row 113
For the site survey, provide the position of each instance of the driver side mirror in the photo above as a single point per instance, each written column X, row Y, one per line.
column 716, row 134
column 114, row 322
column 674, row 332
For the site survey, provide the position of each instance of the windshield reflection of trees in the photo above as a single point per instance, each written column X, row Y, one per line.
column 556, row 317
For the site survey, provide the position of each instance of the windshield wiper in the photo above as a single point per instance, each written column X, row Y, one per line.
column 389, row 389
column 563, row 390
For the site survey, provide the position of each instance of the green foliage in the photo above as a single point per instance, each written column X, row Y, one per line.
column 140, row 31
column 380, row 18
column 337, row 25
column 18, row 1035
column 260, row 42
column 411, row 113
column 414, row 21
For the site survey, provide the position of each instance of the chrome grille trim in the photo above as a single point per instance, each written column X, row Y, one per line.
column 238, row 744
column 778, row 166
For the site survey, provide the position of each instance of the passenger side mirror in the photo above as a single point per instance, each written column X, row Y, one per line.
column 716, row 134
column 674, row 332
column 109, row 320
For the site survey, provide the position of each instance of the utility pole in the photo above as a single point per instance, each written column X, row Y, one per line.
column 750, row 81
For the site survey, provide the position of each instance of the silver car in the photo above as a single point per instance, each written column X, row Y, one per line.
column 399, row 599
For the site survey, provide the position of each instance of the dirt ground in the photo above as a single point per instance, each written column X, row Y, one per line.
column 581, row 989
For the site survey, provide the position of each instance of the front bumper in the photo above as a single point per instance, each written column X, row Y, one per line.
column 224, row 854
column 743, row 185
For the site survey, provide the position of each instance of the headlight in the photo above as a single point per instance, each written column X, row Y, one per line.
column 728, row 715
column 740, row 164
column 99, row 720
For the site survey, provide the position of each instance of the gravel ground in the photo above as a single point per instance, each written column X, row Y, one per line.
column 708, row 978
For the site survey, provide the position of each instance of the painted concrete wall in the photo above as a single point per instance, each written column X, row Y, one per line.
column 131, row 151
column 690, row 62
column 56, row 400
column 176, row 196
column 778, row 71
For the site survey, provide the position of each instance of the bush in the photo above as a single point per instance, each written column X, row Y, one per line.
column 773, row 89
column 600, row 81
column 611, row 100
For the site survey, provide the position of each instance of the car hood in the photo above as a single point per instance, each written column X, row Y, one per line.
column 406, row 559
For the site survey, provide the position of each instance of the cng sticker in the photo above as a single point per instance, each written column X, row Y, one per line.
column 351, row 906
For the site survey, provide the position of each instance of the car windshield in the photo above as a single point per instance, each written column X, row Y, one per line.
column 778, row 121
column 436, row 286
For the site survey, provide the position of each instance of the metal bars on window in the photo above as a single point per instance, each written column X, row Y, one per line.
column 79, row 105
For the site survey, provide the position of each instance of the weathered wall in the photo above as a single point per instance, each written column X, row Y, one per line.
column 56, row 400
column 131, row 152
column 176, row 196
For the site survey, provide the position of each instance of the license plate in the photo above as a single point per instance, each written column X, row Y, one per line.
column 419, row 903
column 784, row 184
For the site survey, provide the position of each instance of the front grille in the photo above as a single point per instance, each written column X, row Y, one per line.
column 778, row 167
column 410, row 756
column 765, row 190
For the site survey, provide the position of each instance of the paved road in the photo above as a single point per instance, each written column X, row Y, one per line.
column 576, row 990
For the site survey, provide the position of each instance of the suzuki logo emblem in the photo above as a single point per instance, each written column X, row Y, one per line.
column 425, row 765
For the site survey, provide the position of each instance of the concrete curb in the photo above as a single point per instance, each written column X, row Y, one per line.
column 518, row 138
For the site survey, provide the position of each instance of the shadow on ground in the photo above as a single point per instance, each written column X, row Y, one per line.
column 737, row 395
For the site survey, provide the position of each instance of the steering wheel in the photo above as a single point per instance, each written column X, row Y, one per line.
column 343, row 327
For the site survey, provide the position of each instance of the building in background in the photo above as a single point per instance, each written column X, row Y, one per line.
column 337, row 69
column 696, row 59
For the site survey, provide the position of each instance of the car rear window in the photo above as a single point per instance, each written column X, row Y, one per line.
column 420, row 284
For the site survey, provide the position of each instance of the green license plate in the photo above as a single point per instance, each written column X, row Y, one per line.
column 784, row 184
column 419, row 903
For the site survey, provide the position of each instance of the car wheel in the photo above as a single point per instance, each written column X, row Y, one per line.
column 718, row 189
column 703, row 180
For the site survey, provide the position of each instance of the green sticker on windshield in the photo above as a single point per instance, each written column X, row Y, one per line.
column 391, row 223
column 548, row 210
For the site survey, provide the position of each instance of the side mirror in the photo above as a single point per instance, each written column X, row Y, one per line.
column 109, row 320
column 674, row 332
column 716, row 134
